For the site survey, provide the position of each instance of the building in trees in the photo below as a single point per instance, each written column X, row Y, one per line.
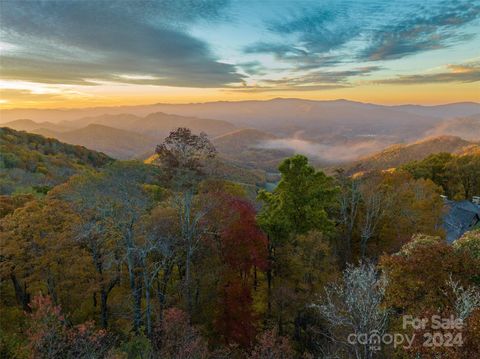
column 461, row 217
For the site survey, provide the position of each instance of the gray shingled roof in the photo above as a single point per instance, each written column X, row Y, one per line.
column 460, row 217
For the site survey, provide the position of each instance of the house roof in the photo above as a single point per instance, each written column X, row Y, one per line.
column 461, row 216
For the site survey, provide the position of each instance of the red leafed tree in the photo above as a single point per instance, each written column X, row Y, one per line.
column 236, row 321
column 243, row 244
column 243, row 250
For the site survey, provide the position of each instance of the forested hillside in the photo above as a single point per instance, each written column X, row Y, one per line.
column 117, row 143
column 397, row 155
column 247, row 147
column 173, row 259
column 33, row 163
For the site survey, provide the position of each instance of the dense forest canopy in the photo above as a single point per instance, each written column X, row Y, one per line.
column 33, row 163
column 174, row 258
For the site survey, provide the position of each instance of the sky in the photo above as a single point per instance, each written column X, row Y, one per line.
column 69, row 53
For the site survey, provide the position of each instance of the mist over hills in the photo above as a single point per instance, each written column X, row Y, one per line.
column 31, row 126
column 247, row 147
column 397, row 155
column 255, row 133
column 465, row 127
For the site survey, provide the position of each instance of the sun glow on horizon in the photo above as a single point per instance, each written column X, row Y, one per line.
column 368, row 51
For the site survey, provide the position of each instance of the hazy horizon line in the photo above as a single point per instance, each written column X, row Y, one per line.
column 239, row 101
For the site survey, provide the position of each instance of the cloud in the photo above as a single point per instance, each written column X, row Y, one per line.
column 312, row 81
column 436, row 28
column 312, row 35
column 326, row 152
column 7, row 95
column 301, row 58
column 76, row 42
column 260, row 88
column 253, row 68
column 327, row 77
column 345, row 31
column 319, row 29
column 281, row 51
column 456, row 73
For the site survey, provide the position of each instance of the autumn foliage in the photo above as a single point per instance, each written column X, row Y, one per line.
column 243, row 251
column 173, row 261
column 176, row 338
column 50, row 337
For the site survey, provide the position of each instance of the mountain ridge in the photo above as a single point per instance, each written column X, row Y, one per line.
column 399, row 154
column 75, row 113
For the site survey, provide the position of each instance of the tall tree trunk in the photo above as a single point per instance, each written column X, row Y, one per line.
column 269, row 276
column 187, row 281
column 21, row 294
column 137, row 302
column 348, row 249
column 188, row 235
column 363, row 247
column 136, row 290
column 162, row 289
column 148, row 310
column 51, row 289
column 104, row 308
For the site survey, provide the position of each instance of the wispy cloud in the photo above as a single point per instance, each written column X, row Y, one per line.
column 327, row 77
column 300, row 88
column 88, row 40
column 266, row 46
column 253, row 68
column 311, row 81
column 434, row 27
column 319, row 28
column 382, row 32
column 313, row 32
column 7, row 95
column 454, row 73
column 301, row 58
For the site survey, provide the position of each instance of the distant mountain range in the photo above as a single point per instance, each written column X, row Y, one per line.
column 157, row 124
column 121, row 136
column 255, row 133
column 244, row 112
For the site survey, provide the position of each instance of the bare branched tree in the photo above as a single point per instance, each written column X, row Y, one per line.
column 155, row 255
column 466, row 300
column 112, row 204
column 349, row 200
column 354, row 306
column 375, row 201
column 184, row 158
